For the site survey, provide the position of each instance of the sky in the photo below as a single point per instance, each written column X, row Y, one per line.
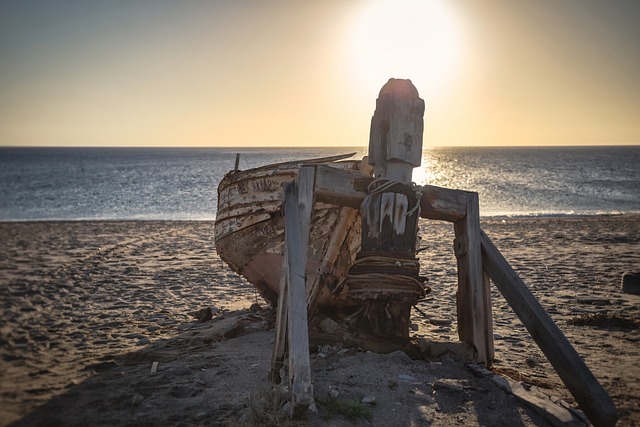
column 261, row 73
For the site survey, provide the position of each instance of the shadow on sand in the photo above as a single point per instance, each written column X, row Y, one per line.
column 215, row 374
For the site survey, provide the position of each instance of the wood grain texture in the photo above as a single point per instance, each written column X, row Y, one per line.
column 298, row 205
column 474, row 295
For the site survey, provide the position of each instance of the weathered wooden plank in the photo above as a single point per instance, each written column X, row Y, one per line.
column 443, row 203
column 488, row 318
column 298, row 205
column 280, row 346
column 585, row 388
column 474, row 296
column 341, row 186
column 230, row 225
column 348, row 188
column 346, row 218
column 305, row 184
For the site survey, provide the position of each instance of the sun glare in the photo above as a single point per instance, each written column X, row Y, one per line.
column 415, row 39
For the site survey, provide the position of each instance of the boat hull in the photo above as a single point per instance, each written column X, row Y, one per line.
column 249, row 231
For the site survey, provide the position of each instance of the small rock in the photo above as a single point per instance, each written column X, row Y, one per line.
column 370, row 400
column 631, row 283
column 255, row 308
column 284, row 413
column 143, row 341
column 442, row 385
column 440, row 322
column 531, row 362
column 233, row 331
column 334, row 393
column 137, row 399
column 204, row 314
column 407, row 378
column 593, row 301
column 502, row 383
column 328, row 326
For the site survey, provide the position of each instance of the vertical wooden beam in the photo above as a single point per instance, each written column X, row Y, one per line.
column 298, row 206
column 388, row 231
column 585, row 388
column 303, row 191
column 474, row 295
column 395, row 138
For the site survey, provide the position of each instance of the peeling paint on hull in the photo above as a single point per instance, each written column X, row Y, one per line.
column 249, row 230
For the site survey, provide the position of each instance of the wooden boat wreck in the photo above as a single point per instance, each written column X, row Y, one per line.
column 249, row 228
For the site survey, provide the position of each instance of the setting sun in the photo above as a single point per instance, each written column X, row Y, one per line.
column 420, row 40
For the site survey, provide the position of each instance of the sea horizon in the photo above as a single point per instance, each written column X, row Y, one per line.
column 179, row 183
column 304, row 147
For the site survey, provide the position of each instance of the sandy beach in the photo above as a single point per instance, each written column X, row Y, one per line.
column 86, row 308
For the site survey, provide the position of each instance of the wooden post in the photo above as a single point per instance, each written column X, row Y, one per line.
column 390, row 212
column 298, row 207
column 585, row 388
column 395, row 138
column 292, row 310
column 474, row 294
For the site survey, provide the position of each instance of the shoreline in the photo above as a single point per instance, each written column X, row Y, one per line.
column 489, row 216
column 78, row 294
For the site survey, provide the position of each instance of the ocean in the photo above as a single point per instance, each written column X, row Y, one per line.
column 180, row 183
